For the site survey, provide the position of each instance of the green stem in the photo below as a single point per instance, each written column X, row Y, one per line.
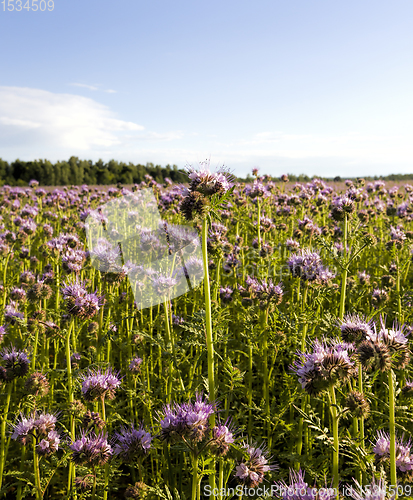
column 194, row 477
column 304, row 399
column 221, row 479
column 21, row 483
column 399, row 298
column 3, row 432
column 259, row 222
column 344, row 271
column 249, row 387
column 209, row 334
column 392, row 425
column 70, row 391
column 335, row 418
column 94, row 484
column 39, row 493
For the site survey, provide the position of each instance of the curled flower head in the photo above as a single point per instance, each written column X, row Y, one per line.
column 252, row 469
column 99, row 384
column 355, row 328
column 131, row 443
column 208, row 183
column 91, row 449
column 328, row 363
column 307, row 266
column 188, row 420
column 222, row 438
column 385, row 348
column 15, row 362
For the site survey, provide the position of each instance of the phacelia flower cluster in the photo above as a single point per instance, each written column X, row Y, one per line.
column 252, row 469
column 132, row 444
column 15, row 364
column 307, row 266
column 298, row 489
column 329, row 363
column 266, row 293
column 79, row 302
column 203, row 184
column 385, row 348
column 91, row 450
column 404, row 459
column 40, row 427
column 187, row 421
column 100, row 384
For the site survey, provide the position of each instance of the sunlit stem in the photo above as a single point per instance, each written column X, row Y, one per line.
column 209, row 334
column 304, row 399
column 344, row 271
column 70, row 391
column 194, row 477
column 3, row 432
column 335, row 418
column 36, row 471
column 392, row 425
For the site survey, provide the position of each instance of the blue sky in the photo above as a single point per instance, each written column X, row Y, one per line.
column 294, row 86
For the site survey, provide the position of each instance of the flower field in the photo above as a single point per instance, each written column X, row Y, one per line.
column 218, row 340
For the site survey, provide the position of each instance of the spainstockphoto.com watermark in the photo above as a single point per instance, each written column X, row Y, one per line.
column 277, row 490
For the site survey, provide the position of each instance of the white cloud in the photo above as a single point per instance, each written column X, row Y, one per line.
column 85, row 86
column 93, row 87
column 43, row 122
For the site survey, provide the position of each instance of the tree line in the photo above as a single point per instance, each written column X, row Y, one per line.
column 78, row 172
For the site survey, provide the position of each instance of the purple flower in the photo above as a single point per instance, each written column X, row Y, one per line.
column 379, row 297
column 132, row 443
column 163, row 283
column 43, row 427
column 292, row 244
column 226, row 294
column 341, row 206
column 3, row 332
column 188, row 420
column 134, row 365
column 222, row 438
column 252, row 470
column 307, row 265
column 91, row 449
column 404, row 460
column 16, row 363
column 355, row 328
column 373, row 491
column 22, row 431
column 177, row 320
column 208, row 183
column 48, row 444
column 97, row 384
column 79, row 302
column 298, row 489
column 266, row 293
column 11, row 313
column 328, row 364
column 44, row 423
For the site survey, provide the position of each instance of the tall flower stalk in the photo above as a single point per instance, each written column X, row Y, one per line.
column 207, row 192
